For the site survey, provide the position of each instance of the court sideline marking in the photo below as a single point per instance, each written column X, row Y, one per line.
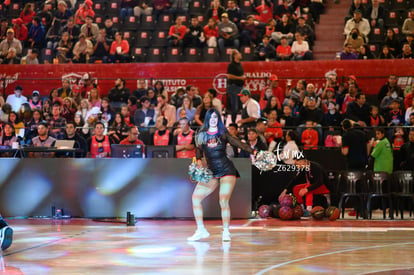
column 44, row 244
column 263, row 271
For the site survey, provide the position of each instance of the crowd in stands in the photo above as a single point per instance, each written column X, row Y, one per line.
column 299, row 113
column 379, row 30
column 108, row 31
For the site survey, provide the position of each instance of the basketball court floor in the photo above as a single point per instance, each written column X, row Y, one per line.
column 258, row 246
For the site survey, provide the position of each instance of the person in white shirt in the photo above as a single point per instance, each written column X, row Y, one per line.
column 250, row 111
column 360, row 23
column 300, row 48
column 17, row 99
column 290, row 150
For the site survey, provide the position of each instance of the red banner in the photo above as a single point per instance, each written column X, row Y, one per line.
column 371, row 74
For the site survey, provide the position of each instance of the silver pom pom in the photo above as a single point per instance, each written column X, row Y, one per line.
column 199, row 174
column 265, row 161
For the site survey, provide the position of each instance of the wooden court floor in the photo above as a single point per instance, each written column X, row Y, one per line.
column 258, row 246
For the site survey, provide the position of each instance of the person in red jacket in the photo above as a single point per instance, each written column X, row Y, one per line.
column 176, row 33
column 119, row 51
column 20, row 29
column 84, row 10
column 310, row 136
column 27, row 13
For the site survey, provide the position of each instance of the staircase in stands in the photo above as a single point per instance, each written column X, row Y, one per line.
column 329, row 31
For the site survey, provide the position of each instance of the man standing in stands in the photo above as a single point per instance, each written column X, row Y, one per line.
column 99, row 145
column 42, row 140
column 354, row 146
column 162, row 135
column 17, row 99
column 235, row 82
column 185, row 145
column 80, row 142
column 119, row 94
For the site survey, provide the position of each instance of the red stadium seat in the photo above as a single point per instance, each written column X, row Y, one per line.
column 192, row 55
column 174, row 55
column 139, row 54
column 156, row 55
column 210, row 55
column 143, row 39
column 159, row 39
